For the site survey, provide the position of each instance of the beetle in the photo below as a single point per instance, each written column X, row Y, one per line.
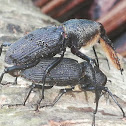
column 51, row 40
column 69, row 73
column 48, row 41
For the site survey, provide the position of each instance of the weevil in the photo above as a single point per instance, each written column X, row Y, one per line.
column 51, row 40
column 69, row 73
column 48, row 41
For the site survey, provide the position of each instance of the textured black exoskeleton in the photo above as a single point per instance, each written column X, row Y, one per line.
column 48, row 41
column 69, row 73
column 51, row 40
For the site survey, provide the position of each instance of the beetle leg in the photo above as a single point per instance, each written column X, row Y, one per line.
column 48, row 69
column 35, row 86
column 61, row 92
column 1, row 77
column 75, row 51
column 96, row 56
column 97, row 97
column 31, row 88
column 15, row 81
column 97, row 94
column 5, row 44
column 110, row 93
column 22, row 67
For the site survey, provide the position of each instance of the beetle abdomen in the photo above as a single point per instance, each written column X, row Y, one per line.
column 66, row 73
column 39, row 43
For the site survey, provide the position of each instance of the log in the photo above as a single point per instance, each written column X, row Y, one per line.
column 73, row 108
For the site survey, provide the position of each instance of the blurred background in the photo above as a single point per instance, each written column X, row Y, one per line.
column 111, row 13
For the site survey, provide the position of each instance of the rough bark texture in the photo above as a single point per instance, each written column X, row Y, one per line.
column 73, row 109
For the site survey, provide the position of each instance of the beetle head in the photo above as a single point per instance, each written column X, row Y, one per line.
column 92, row 76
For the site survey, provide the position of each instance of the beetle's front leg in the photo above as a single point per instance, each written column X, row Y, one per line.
column 110, row 93
column 97, row 97
column 76, row 52
column 98, row 90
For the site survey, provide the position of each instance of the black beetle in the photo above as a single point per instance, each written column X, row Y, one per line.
column 51, row 40
column 69, row 72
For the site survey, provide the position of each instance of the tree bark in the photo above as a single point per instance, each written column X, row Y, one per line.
column 17, row 18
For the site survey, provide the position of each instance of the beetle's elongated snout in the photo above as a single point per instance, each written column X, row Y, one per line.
column 111, row 54
column 109, row 49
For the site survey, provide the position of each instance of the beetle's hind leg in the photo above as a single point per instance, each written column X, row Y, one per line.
column 5, row 44
column 7, row 70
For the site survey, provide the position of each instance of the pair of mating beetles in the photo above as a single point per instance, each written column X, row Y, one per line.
column 33, row 55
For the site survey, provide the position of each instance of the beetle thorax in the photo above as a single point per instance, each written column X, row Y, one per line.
column 80, row 32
